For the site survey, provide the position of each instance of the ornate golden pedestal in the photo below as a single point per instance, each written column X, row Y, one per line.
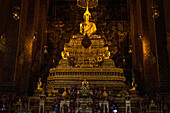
column 92, row 64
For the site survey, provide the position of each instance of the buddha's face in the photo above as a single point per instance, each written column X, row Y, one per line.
column 87, row 18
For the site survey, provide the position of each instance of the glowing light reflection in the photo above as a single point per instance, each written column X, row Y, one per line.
column 28, row 49
column 146, row 48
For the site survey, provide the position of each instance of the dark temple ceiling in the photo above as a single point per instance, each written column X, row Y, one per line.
column 115, row 9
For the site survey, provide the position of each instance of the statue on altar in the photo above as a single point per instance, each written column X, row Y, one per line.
column 64, row 54
column 85, row 88
column 39, row 84
column 87, row 27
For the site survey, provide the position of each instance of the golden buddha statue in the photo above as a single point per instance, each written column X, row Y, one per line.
column 64, row 95
column 87, row 27
column 86, row 64
column 105, row 93
column 19, row 101
column 64, row 54
column 39, row 84
column 133, row 85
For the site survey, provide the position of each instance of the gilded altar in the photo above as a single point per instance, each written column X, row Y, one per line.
column 93, row 64
column 86, row 56
column 86, row 63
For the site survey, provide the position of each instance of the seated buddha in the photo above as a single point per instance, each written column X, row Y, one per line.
column 39, row 84
column 133, row 85
column 87, row 27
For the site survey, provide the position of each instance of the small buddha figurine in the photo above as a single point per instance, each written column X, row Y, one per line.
column 64, row 54
column 39, row 84
column 133, row 85
column 19, row 104
column 64, row 95
column 19, row 101
column 105, row 93
column 106, row 54
column 85, row 84
column 87, row 27
column 152, row 105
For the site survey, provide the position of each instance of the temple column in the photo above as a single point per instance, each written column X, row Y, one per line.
column 144, row 45
column 10, row 29
column 30, row 49
column 162, row 52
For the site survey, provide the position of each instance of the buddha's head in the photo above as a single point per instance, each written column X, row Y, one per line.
column 39, row 79
column 87, row 15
